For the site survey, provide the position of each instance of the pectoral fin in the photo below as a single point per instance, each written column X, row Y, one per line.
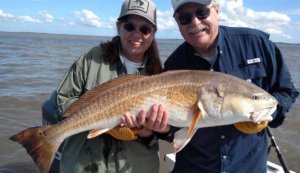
column 124, row 133
column 96, row 132
column 196, row 118
column 121, row 133
column 181, row 139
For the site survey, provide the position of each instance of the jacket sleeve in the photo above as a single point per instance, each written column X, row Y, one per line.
column 282, row 86
column 168, row 136
column 72, row 85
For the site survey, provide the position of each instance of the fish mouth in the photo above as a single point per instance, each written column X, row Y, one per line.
column 262, row 115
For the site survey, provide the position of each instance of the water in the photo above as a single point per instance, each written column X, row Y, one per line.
column 32, row 65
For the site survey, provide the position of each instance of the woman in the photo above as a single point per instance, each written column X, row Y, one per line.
column 132, row 51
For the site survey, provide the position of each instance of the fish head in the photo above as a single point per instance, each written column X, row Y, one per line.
column 227, row 104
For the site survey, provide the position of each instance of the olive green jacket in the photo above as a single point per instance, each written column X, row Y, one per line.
column 102, row 154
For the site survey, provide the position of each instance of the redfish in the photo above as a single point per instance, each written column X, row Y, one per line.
column 195, row 99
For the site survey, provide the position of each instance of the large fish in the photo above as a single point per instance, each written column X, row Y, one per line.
column 195, row 99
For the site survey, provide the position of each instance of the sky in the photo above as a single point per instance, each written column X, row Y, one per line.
column 279, row 18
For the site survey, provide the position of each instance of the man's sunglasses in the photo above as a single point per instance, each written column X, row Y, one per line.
column 187, row 18
column 145, row 30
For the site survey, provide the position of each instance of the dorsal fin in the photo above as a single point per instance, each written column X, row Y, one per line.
column 100, row 89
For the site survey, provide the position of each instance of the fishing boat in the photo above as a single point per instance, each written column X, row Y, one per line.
column 169, row 159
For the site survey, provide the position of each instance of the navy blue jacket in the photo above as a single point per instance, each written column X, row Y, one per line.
column 249, row 55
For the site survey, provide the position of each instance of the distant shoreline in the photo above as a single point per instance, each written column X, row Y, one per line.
column 72, row 35
column 106, row 37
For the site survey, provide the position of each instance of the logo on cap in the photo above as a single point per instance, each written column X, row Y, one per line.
column 141, row 5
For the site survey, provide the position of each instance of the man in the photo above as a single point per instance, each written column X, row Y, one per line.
column 242, row 52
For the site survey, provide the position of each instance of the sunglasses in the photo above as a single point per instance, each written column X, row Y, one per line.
column 187, row 18
column 145, row 30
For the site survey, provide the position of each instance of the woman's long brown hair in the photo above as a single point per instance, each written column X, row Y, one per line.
column 111, row 54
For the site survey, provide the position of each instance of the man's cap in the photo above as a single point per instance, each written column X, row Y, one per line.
column 178, row 3
column 143, row 8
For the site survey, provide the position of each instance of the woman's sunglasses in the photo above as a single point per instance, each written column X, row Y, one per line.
column 187, row 18
column 145, row 30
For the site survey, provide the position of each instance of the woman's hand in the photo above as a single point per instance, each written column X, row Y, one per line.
column 156, row 119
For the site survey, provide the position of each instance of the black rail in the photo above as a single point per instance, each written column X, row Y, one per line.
column 279, row 155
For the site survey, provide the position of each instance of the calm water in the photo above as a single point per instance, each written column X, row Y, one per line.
column 32, row 65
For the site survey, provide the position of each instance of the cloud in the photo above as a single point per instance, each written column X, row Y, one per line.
column 88, row 18
column 233, row 13
column 46, row 16
column 5, row 16
column 165, row 20
column 64, row 22
column 294, row 12
column 68, row 24
column 28, row 19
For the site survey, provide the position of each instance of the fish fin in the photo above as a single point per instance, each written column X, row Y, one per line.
column 39, row 146
column 96, row 132
column 196, row 118
column 250, row 127
column 88, row 97
column 124, row 133
column 181, row 139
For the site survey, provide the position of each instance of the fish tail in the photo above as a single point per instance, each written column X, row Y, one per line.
column 38, row 145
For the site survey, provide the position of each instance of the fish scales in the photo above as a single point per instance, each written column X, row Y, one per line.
column 131, row 95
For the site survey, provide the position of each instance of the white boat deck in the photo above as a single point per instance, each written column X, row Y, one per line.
column 271, row 167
